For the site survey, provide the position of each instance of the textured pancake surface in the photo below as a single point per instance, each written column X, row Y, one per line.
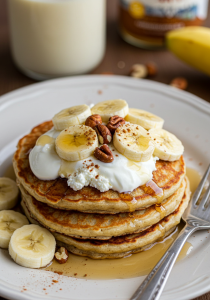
column 56, row 193
column 100, row 226
column 121, row 246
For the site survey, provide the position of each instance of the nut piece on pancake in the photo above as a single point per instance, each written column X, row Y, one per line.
column 77, row 142
column 104, row 135
column 93, row 120
column 104, row 154
column 114, row 123
column 61, row 255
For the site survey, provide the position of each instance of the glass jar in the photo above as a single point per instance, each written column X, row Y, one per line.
column 144, row 23
column 53, row 38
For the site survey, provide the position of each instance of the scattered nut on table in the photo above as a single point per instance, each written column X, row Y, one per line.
column 139, row 71
column 104, row 135
column 61, row 255
column 151, row 68
column 93, row 120
column 114, row 123
column 104, row 154
column 180, row 83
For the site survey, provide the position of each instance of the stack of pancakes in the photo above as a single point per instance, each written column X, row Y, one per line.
column 102, row 225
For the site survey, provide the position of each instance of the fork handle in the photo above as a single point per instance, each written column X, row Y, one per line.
column 152, row 287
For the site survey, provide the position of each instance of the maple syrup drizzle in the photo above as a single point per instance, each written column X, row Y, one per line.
column 132, row 204
column 161, row 209
column 152, row 189
column 44, row 140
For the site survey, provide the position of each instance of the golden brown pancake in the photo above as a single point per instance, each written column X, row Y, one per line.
column 121, row 246
column 100, row 226
column 56, row 193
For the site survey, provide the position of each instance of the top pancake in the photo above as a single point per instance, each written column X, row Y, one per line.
column 56, row 193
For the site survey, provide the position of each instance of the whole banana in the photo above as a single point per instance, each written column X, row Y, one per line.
column 192, row 45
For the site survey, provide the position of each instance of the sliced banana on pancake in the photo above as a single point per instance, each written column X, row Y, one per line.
column 109, row 108
column 76, row 142
column 144, row 119
column 8, row 193
column 167, row 146
column 74, row 115
column 10, row 221
column 32, row 246
column 134, row 142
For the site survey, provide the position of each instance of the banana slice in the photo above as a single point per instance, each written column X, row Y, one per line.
column 76, row 142
column 8, row 193
column 10, row 220
column 144, row 119
column 32, row 246
column 134, row 142
column 167, row 146
column 74, row 115
column 107, row 109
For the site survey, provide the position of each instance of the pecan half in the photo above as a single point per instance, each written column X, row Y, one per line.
column 93, row 120
column 114, row 123
column 61, row 255
column 104, row 154
column 104, row 135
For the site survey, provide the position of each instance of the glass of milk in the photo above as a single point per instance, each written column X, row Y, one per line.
column 54, row 38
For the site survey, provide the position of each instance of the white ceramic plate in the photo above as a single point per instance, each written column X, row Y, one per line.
column 185, row 115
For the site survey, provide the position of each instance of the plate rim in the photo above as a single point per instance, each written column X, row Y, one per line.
column 179, row 95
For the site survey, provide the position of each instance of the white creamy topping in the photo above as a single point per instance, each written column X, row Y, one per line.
column 88, row 176
column 121, row 175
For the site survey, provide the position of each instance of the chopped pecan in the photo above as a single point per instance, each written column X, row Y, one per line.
column 104, row 154
column 114, row 123
column 61, row 255
column 151, row 68
column 93, row 120
column 180, row 83
column 104, row 135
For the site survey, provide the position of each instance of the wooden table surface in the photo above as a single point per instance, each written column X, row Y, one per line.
column 117, row 51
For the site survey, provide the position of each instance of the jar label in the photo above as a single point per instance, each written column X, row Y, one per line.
column 181, row 9
column 150, row 20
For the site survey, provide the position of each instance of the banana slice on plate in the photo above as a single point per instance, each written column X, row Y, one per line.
column 109, row 108
column 144, row 119
column 167, row 145
column 134, row 142
column 10, row 220
column 74, row 115
column 32, row 246
column 76, row 142
column 8, row 193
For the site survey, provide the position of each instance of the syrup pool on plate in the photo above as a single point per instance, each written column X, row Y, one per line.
column 135, row 265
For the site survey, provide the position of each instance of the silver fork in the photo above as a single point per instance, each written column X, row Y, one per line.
column 196, row 217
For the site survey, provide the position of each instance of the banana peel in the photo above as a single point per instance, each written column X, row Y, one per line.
column 192, row 45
